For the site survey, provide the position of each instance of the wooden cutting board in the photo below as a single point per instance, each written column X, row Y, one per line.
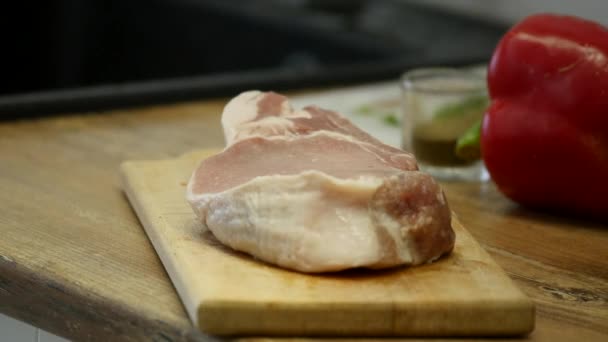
column 229, row 293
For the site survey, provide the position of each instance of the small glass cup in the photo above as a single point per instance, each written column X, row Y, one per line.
column 438, row 106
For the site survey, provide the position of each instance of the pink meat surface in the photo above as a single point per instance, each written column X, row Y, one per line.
column 308, row 190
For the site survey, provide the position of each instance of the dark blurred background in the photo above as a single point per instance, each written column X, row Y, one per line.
column 70, row 55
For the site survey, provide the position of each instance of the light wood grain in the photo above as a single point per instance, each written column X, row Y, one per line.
column 75, row 261
column 229, row 293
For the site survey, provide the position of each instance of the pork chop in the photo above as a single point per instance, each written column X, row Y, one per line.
column 307, row 190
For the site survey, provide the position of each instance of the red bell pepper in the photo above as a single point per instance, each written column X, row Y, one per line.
column 544, row 138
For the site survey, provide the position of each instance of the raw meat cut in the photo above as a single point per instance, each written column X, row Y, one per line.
column 307, row 190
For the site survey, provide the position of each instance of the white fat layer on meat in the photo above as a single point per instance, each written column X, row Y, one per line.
column 404, row 248
column 242, row 108
column 270, row 126
column 267, row 127
column 299, row 114
column 311, row 221
column 238, row 118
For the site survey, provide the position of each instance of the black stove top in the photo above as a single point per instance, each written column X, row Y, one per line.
column 101, row 54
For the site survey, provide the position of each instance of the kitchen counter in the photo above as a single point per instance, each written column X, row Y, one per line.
column 75, row 261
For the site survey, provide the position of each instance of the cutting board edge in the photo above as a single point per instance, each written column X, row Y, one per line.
column 221, row 318
column 128, row 182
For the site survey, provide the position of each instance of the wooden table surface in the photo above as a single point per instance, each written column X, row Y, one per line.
column 75, row 261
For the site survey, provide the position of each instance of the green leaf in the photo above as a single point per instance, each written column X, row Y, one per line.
column 471, row 105
column 468, row 145
column 391, row 119
column 364, row 110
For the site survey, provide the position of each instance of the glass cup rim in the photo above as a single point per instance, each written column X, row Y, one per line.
column 408, row 80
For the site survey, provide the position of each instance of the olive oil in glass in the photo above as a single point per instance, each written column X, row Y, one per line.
column 439, row 106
